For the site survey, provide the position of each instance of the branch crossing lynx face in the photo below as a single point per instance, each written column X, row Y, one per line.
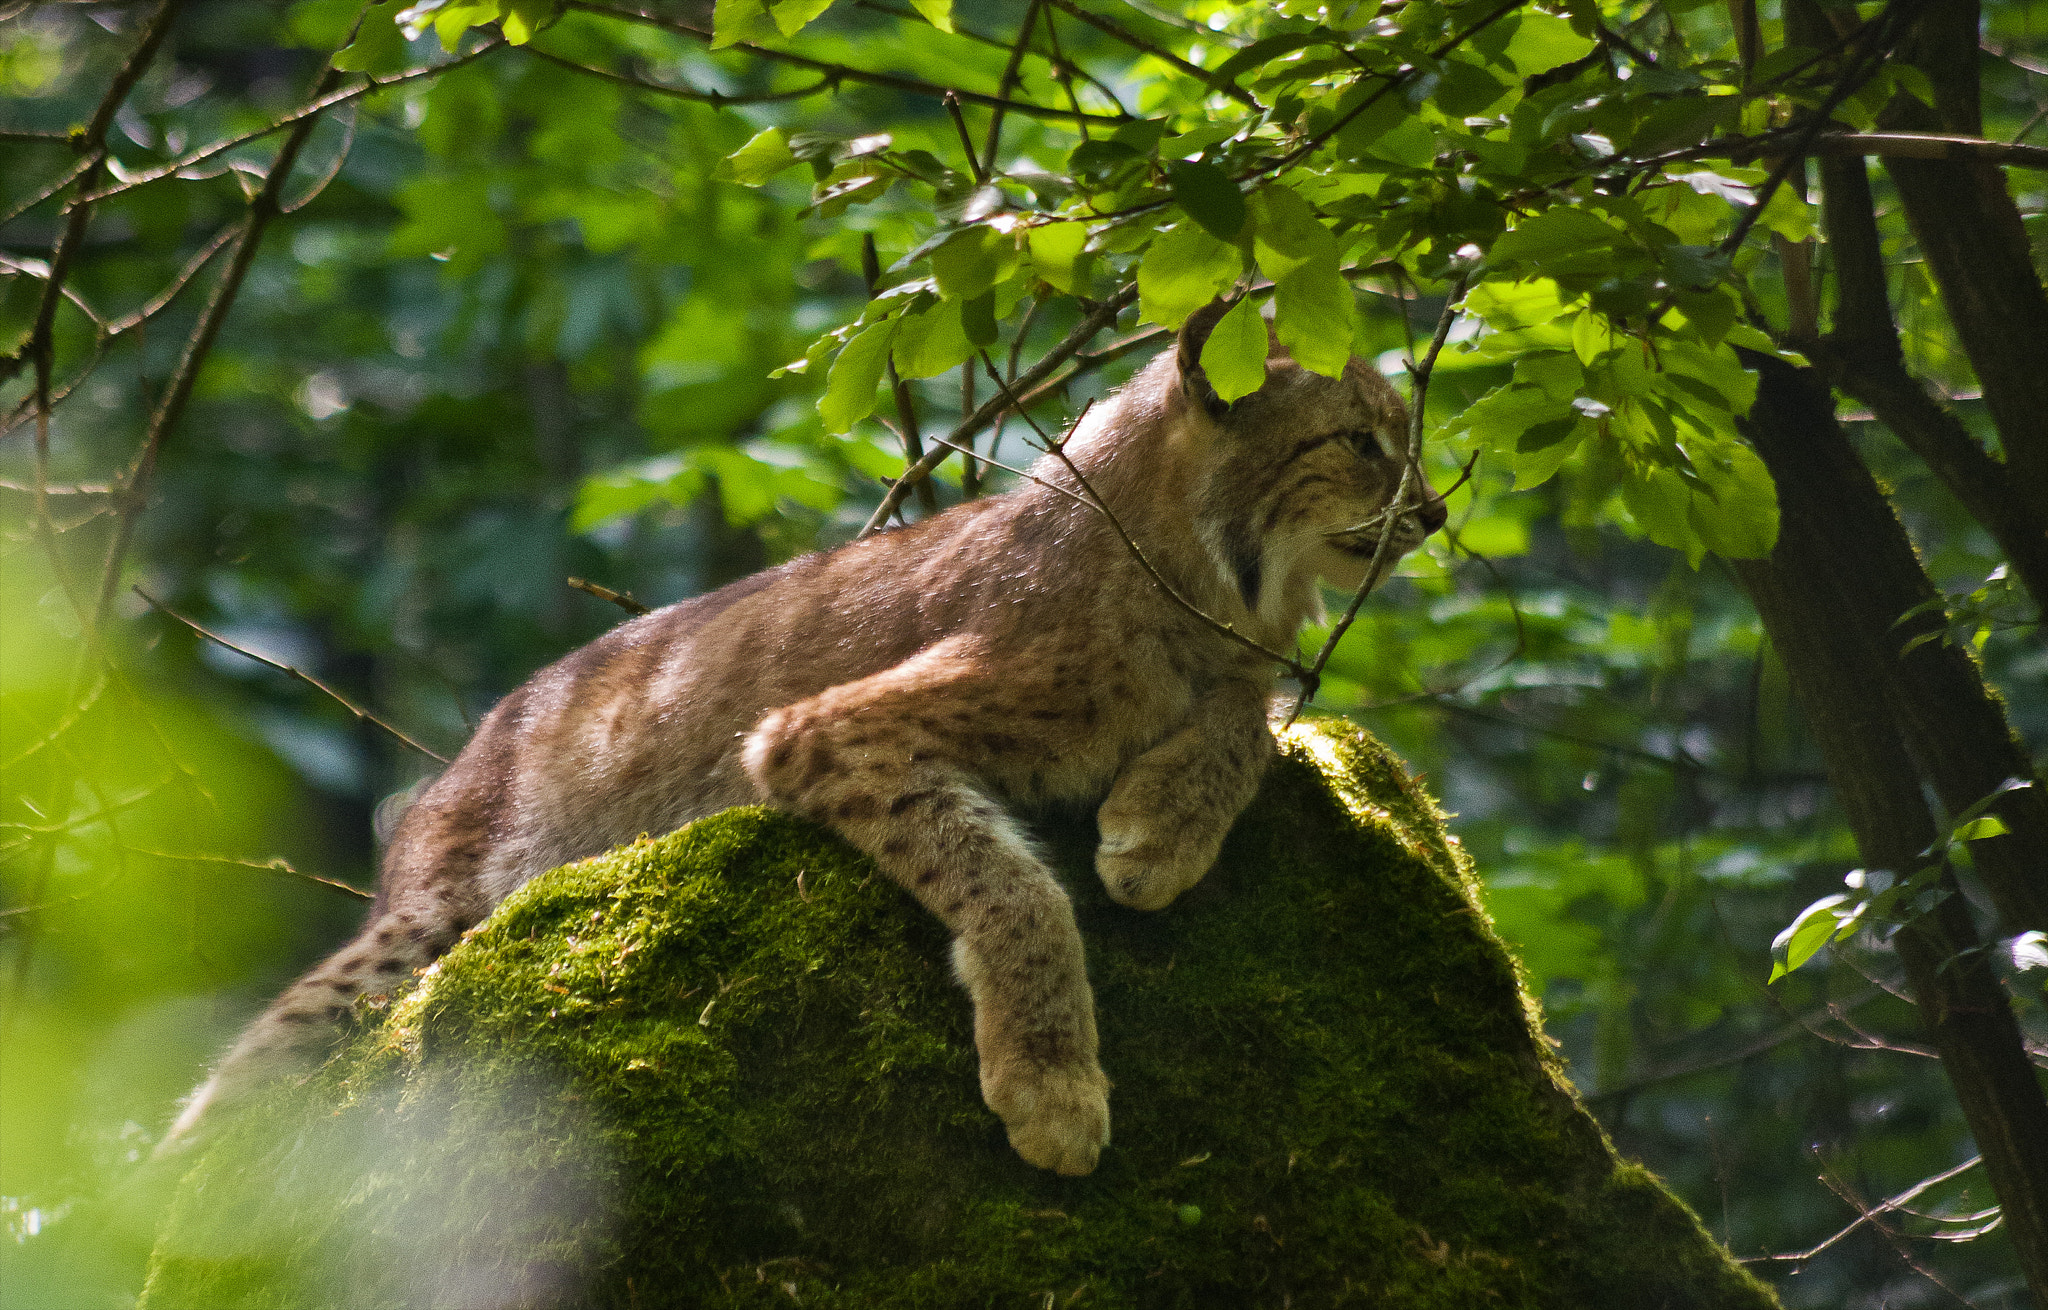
column 902, row 689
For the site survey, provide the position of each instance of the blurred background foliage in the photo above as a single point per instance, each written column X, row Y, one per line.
column 523, row 328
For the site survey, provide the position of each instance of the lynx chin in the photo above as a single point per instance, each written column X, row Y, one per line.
column 907, row 688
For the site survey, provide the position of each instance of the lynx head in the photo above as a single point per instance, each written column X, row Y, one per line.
column 1301, row 476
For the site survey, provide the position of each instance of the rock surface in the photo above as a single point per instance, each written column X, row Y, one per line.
column 728, row 1068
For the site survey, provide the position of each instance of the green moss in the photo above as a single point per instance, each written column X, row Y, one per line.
column 729, row 1068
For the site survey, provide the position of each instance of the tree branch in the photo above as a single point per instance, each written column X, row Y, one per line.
column 347, row 704
column 846, row 72
column 1100, row 317
column 1116, row 30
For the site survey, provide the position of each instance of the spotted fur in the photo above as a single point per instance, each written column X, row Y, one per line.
column 905, row 689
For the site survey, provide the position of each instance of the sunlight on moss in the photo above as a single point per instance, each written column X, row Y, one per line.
column 728, row 1067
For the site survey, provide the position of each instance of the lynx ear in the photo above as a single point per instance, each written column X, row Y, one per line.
column 1194, row 334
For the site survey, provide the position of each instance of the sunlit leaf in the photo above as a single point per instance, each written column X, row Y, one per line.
column 850, row 386
column 761, row 158
column 379, row 46
column 1184, row 269
column 1234, row 357
column 939, row 13
column 1057, row 255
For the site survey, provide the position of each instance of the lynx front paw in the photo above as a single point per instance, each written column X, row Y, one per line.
column 1057, row 1116
column 1146, row 868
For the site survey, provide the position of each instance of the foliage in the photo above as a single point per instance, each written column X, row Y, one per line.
column 528, row 320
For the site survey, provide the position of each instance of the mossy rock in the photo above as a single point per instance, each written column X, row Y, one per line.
column 729, row 1067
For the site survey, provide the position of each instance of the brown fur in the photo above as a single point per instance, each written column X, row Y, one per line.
column 903, row 687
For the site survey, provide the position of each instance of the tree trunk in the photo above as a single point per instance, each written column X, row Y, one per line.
column 1819, row 595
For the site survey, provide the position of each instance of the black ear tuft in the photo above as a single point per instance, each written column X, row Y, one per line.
column 1243, row 549
column 1194, row 334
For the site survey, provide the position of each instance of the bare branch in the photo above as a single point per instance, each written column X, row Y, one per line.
column 845, row 72
column 1411, row 472
column 263, row 207
column 311, row 109
column 623, row 599
column 716, row 99
column 1008, row 85
column 1868, row 1214
column 1100, row 317
column 1118, row 31
column 1094, row 500
column 906, row 414
column 163, row 299
column 952, row 100
column 275, row 865
column 65, row 179
column 347, row 704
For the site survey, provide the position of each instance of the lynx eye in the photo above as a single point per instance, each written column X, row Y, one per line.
column 1365, row 445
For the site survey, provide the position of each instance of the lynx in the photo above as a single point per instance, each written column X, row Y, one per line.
column 905, row 689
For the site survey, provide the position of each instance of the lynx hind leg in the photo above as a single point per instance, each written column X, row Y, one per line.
column 295, row 1033
column 1165, row 819
column 865, row 759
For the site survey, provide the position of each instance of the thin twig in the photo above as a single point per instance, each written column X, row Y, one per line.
column 274, row 865
column 623, row 599
column 1094, row 500
column 347, row 704
column 914, row 86
column 65, row 179
column 263, row 207
column 311, row 109
column 716, row 99
column 1110, row 28
column 953, row 111
column 163, row 299
column 899, row 390
column 1411, row 459
column 1008, row 85
column 1102, row 88
column 1100, row 317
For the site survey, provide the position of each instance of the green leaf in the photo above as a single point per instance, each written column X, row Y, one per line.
column 605, row 496
column 928, row 344
column 791, row 16
column 850, row 386
column 452, row 20
column 1556, row 232
column 1659, row 502
column 525, row 17
column 1287, row 234
column 1541, row 42
column 379, row 46
column 1209, row 196
column 1739, row 520
column 1234, row 357
column 1312, row 316
column 1058, row 254
column 1989, row 825
column 939, row 13
column 1817, row 925
column 733, row 21
column 1750, row 337
column 978, row 319
column 1503, row 418
column 1183, row 270
column 1594, row 337
column 1387, row 130
column 972, row 261
column 761, row 158
column 1264, row 50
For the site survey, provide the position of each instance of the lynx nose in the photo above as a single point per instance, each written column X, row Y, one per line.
column 1431, row 513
